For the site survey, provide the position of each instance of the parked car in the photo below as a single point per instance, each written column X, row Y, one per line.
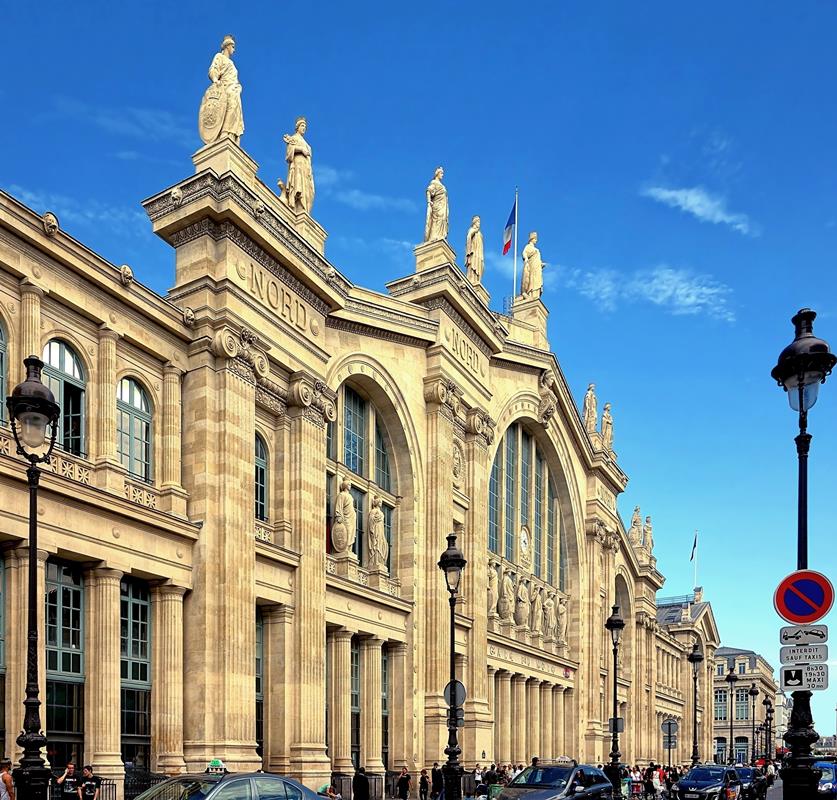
column 753, row 783
column 553, row 780
column 229, row 786
column 708, row 782
column 828, row 781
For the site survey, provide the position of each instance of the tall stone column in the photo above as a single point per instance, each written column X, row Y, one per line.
column 547, row 740
column 370, row 716
column 102, row 719
column 559, row 738
column 400, row 711
column 310, row 403
column 16, row 618
column 167, row 679
column 518, row 719
column 491, row 673
column 30, row 330
column 533, row 719
column 173, row 495
column 505, row 717
column 278, row 697
column 105, row 446
column 341, row 709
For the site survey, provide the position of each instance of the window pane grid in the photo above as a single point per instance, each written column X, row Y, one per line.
column 525, row 472
column 135, row 609
column 511, row 477
column 63, row 601
column 382, row 476
column 65, row 378
column 133, row 435
column 261, row 479
column 538, row 514
column 494, row 503
column 354, row 423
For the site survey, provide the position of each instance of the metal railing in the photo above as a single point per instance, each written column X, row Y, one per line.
column 107, row 791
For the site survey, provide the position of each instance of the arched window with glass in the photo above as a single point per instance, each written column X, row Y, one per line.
column 522, row 494
column 64, row 374
column 358, row 449
column 133, row 428
column 261, row 492
column 3, row 365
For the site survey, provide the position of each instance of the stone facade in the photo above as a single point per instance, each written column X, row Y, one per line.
column 224, row 631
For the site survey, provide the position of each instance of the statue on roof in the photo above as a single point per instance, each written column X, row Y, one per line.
column 474, row 256
column 589, row 411
column 220, row 115
column 648, row 535
column 298, row 192
column 531, row 283
column 635, row 532
column 436, row 222
column 607, row 428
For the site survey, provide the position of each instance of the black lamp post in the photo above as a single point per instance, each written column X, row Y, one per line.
column 615, row 624
column 33, row 414
column 731, row 679
column 759, row 730
column 452, row 562
column 771, row 739
column 803, row 365
column 768, row 712
column 754, row 693
column 695, row 658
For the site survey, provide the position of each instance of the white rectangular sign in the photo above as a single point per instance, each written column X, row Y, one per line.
column 809, row 677
column 803, row 634
column 804, row 654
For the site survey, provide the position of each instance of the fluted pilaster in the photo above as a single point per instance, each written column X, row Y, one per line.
column 400, row 745
column 278, row 698
column 504, row 717
column 533, row 719
column 30, row 329
column 518, row 719
column 341, row 710
column 547, row 741
column 370, row 732
column 105, row 448
column 559, row 739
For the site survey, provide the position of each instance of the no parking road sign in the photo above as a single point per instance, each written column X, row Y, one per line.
column 804, row 597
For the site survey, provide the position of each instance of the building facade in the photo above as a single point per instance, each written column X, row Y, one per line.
column 254, row 479
column 738, row 707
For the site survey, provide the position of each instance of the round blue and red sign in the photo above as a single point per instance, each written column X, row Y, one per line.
column 804, row 597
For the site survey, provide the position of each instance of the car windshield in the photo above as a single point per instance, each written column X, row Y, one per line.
column 745, row 773
column 829, row 774
column 554, row 777
column 181, row 788
column 705, row 774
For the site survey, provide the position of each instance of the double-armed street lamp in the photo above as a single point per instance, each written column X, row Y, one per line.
column 754, row 693
column 731, row 680
column 695, row 658
column 803, row 365
column 452, row 563
column 33, row 414
column 615, row 624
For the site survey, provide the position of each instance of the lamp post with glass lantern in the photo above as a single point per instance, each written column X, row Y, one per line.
column 452, row 562
column 33, row 415
column 802, row 366
column 731, row 680
column 754, row 693
column 615, row 624
column 695, row 658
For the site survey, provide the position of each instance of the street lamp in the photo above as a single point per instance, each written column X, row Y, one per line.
column 452, row 562
column 695, row 658
column 615, row 624
column 760, row 738
column 731, row 679
column 803, row 365
column 33, row 414
column 754, row 693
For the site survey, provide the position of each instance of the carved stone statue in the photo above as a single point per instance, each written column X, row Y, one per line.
column 550, row 618
column 493, row 594
column 589, row 412
column 537, row 611
column 220, row 115
column 635, row 533
column 436, row 224
column 378, row 546
column 531, row 284
column 474, row 256
column 506, row 604
column 298, row 192
column 344, row 525
column 521, row 611
column 648, row 535
column 563, row 620
column 607, row 428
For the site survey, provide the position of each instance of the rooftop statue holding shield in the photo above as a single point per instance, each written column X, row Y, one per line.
column 220, row 115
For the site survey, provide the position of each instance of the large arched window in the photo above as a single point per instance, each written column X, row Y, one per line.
column 522, row 495
column 358, row 450
column 65, row 377
column 133, row 428
column 261, row 479
column 3, row 366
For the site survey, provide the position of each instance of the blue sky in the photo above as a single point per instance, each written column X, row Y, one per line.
column 676, row 159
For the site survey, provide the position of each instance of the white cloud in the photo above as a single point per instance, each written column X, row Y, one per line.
column 367, row 201
column 704, row 206
column 327, row 177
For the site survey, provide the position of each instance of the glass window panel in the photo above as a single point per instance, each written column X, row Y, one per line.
column 525, row 472
column 261, row 479
column 494, row 503
column 63, row 609
column 511, row 482
column 382, row 475
column 133, row 435
column 135, row 604
column 360, row 505
column 388, row 513
column 354, row 427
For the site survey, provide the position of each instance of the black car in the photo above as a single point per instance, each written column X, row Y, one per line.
column 753, row 782
column 229, row 786
column 549, row 781
column 708, row 782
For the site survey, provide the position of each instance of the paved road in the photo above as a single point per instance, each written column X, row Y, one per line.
column 775, row 791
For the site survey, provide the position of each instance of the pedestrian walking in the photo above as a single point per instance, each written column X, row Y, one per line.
column 403, row 785
column 90, row 784
column 437, row 782
column 360, row 785
column 7, row 787
column 424, row 785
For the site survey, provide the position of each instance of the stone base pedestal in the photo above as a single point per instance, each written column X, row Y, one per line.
column 225, row 156
column 532, row 312
column 379, row 579
column 481, row 291
column 345, row 564
column 521, row 633
column 110, row 476
column 433, row 254
column 506, row 627
column 173, row 500
column 310, row 230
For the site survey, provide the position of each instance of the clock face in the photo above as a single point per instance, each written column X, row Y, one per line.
column 524, row 540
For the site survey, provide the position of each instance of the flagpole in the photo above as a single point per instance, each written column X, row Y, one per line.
column 696, row 558
column 514, row 278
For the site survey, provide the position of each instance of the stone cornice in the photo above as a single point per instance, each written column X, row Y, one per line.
column 377, row 333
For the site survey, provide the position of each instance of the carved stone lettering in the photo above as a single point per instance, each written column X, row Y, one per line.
column 269, row 290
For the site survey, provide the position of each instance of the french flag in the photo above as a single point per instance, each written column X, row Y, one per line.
column 508, row 233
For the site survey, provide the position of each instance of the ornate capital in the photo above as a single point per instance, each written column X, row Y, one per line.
column 244, row 352
column 445, row 394
column 316, row 400
column 480, row 425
